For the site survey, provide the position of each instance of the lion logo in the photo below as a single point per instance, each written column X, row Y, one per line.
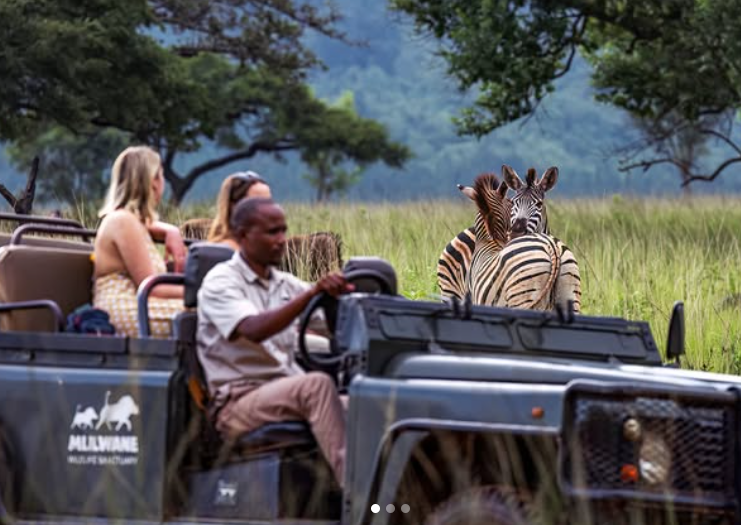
column 118, row 413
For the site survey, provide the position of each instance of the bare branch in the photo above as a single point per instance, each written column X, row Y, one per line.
column 722, row 136
column 530, row 115
column 250, row 152
column 23, row 204
column 714, row 175
column 648, row 164
column 181, row 184
column 33, row 174
column 567, row 67
column 5, row 192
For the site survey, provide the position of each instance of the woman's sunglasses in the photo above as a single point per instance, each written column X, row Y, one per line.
column 241, row 183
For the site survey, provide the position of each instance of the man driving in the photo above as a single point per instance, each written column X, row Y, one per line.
column 247, row 338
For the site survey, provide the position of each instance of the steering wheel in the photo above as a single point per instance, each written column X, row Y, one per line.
column 362, row 278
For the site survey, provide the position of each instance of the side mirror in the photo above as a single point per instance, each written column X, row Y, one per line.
column 675, row 341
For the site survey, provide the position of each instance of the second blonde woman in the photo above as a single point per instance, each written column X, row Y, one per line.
column 234, row 188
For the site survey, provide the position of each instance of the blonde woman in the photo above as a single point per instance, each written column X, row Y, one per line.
column 234, row 188
column 125, row 253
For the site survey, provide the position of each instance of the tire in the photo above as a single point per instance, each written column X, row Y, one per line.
column 478, row 506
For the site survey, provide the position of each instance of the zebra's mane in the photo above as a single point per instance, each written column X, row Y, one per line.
column 494, row 208
column 530, row 177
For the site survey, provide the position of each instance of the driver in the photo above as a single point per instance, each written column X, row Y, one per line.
column 247, row 338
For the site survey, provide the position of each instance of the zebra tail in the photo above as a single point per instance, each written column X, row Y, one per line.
column 550, row 286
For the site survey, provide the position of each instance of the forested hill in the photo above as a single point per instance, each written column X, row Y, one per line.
column 397, row 80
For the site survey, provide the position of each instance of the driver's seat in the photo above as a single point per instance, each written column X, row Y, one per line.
column 202, row 257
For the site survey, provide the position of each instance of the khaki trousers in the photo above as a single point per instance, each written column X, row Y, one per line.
column 311, row 397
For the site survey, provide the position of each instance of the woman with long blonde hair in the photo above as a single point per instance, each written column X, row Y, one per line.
column 235, row 187
column 125, row 253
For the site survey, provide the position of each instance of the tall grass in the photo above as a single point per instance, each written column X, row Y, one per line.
column 636, row 257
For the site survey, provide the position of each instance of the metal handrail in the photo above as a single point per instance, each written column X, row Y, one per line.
column 36, row 304
column 41, row 228
column 142, row 297
column 39, row 220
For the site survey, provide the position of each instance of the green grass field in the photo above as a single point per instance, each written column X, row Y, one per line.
column 636, row 257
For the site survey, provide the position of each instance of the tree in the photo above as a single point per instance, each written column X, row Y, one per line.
column 170, row 73
column 328, row 177
column 671, row 140
column 368, row 143
column 657, row 59
column 73, row 167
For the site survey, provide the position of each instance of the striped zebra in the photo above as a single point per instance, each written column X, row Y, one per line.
column 520, row 273
column 528, row 203
column 455, row 260
column 529, row 215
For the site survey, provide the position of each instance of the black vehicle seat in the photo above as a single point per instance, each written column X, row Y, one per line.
column 202, row 257
column 31, row 271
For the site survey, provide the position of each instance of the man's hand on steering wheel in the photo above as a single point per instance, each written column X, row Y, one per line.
column 330, row 287
column 333, row 284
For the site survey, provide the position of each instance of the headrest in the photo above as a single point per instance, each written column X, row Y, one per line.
column 371, row 275
column 202, row 256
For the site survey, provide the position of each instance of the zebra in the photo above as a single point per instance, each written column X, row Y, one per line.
column 528, row 203
column 529, row 216
column 455, row 259
column 518, row 273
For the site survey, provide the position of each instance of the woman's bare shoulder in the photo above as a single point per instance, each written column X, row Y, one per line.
column 120, row 219
column 120, row 223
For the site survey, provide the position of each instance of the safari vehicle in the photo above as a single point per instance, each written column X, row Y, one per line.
column 458, row 414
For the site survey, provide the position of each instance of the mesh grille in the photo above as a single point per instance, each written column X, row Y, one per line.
column 679, row 447
column 606, row 515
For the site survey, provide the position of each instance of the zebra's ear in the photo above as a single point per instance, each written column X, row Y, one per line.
column 549, row 178
column 468, row 191
column 511, row 178
column 502, row 190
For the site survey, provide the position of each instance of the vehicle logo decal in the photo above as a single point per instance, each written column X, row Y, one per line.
column 104, row 437
column 226, row 493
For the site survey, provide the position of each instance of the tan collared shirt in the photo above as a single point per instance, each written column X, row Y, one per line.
column 231, row 292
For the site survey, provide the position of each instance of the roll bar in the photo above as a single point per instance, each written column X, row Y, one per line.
column 142, row 297
column 42, row 228
column 14, row 217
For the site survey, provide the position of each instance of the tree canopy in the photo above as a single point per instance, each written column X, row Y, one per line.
column 175, row 74
column 656, row 59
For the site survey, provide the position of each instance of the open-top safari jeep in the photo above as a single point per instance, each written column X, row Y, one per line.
column 457, row 415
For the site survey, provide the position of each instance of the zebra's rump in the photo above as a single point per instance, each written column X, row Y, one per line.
column 568, row 285
column 521, row 275
column 454, row 263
